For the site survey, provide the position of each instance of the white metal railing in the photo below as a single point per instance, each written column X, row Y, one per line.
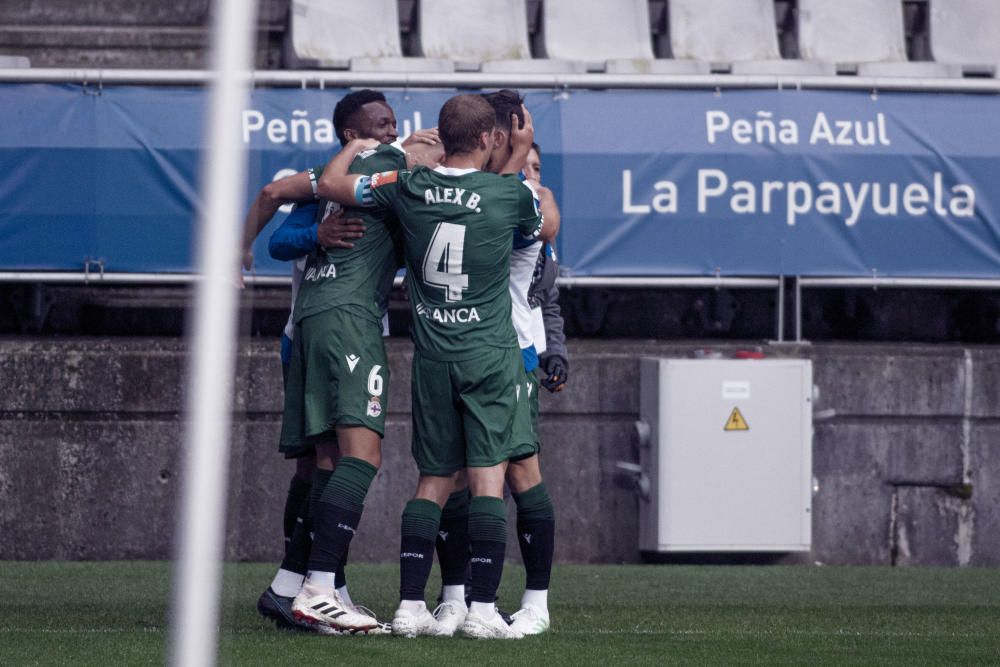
column 344, row 78
column 116, row 278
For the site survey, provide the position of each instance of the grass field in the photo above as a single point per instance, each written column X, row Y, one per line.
column 115, row 614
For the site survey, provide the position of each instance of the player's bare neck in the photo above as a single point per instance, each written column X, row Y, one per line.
column 463, row 161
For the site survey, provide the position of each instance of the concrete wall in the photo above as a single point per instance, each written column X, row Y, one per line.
column 90, row 429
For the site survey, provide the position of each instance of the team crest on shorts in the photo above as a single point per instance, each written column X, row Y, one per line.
column 374, row 407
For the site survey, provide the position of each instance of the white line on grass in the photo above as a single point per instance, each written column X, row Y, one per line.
column 779, row 633
column 721, row 634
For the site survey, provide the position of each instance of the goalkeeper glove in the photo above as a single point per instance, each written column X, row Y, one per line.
column 556, row 369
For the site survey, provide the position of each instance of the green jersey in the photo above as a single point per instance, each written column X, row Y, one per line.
column 360, row 276
column 458, row 227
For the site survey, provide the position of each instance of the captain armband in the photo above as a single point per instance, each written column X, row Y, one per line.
column 363, row 191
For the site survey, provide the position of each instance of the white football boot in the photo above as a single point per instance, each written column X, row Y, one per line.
column 381, row 627
column 410, row 624
column 530, row 620
column 324, row 610
column 493, row 626
column 450, row 615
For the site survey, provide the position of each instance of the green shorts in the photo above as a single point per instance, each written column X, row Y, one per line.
column 338, row 376
column 524, row 440
column 463, row 411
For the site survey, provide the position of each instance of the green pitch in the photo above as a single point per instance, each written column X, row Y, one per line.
column 115, row 614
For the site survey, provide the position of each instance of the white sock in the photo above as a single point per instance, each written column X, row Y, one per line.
column 324, row 580
column 415, row 606
column 287, row 583
column 453, row 593
column 344, row 595
column 484, row 609
column 537, row 599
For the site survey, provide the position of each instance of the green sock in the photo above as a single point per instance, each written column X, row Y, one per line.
column 349, row 484
column 488, row 537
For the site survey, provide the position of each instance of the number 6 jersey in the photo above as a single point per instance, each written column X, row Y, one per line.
column 457, row 226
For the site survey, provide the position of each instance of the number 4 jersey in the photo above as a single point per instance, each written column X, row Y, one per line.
column 457, row 226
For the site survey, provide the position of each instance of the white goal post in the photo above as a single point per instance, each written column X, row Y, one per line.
column 200, row 529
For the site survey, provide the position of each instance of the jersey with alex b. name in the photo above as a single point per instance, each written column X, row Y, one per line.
column 457, row 226
column 361, row 276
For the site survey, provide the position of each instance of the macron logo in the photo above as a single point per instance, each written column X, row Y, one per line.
column 444, row 536
column 352, row 361
column 527, row 537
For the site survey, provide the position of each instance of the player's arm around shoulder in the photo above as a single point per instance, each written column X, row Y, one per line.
column 295, row 188
column 531, row 219
column 336, row 183
column 423, row 148
column 549, row 209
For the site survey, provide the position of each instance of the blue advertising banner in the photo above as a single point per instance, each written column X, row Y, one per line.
column 664, row 182
column 781, row 182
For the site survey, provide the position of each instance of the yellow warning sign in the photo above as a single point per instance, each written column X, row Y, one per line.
column 736, row 422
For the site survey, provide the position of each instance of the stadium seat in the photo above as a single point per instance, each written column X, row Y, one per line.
column 735, row 34
column 608, row 36
column 343, row 34
column 14, row 62
column 487, row 35
column 866, row 34
column 964, row 32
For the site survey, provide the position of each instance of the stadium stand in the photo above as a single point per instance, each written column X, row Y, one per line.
column 488, row 35
column 735, row 35
column 769, row 37
column 964, row 32
column 342, row 34
column 862, row 36
column 611, row 37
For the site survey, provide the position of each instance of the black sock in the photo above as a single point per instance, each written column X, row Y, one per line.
column 416, row 549
column 488, row 536
column 297, row 540
column 453, row 539
column 338, row 513
column 321, row 478
column 340, row 576
column 296, row 505
column 536, row 527
column 298, row 549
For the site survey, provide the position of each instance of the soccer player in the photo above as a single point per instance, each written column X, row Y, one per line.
column 457, row 222
column 543, row 294
column 360, row 114
column 298, row 236
column 335, row 397
column 535, row 513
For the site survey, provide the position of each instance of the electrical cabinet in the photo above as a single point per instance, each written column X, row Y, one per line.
column 728, row 455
